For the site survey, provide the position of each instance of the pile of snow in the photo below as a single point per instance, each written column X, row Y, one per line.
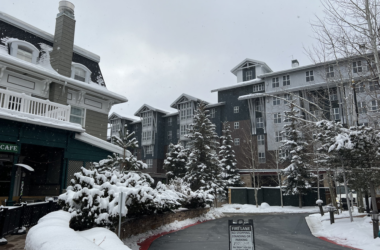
column 265, row 208
column 133, row 241
column 53, row 232
column 357, row 234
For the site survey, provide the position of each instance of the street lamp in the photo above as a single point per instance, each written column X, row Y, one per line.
column 331, row 210
column 375, row 223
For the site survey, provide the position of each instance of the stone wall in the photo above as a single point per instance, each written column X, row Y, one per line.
column 146, row 223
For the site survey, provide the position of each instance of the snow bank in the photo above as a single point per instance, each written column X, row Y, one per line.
column 357, row 234
column 133, row 241
column 265, row 208
column 53, row 232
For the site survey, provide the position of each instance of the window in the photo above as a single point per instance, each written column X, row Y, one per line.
column 236, row 109
column 260, row 140
column 276, row 101
column 374, row 105
column 259, row 122
column 149, row 149
column 236, row 125
column 258, row 87
column 170, row 121
column 25, row 54
column 362, row 108
column 248, row 75
column 77, row 115
column 261, row 157
column 237, row 141
column 278, row 136
column 286, row 80
column 169, row 135
column 185, row 129
column 277, row 118
column 80, row 72
column 177, row 133
column 116, row 126
column 357, row 67
column 212, row 113
column 288, row 97
column 336, row 113
column 359, row 88
column 283, row 153
column 147, row 119
column 186, row 110
column 146, row 136
column 373, row 86
column 275, row 82
column 258, row 107
column 333, row 95
column 286, row 118
column 330, row 71
column 149, row 162
column 309, row 76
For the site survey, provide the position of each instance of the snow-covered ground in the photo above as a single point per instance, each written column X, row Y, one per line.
column 265, row 208
column 177, row 225
column 357, row 234
column 53, row 232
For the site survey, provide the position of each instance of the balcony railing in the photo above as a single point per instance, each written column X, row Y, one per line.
column 23, row 103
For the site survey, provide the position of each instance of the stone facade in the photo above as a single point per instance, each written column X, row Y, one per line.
column 146, row 223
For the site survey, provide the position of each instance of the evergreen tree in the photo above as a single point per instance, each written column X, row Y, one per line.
column 175, row 162
column 297, row 177
column 228, row 160
column 203, row 167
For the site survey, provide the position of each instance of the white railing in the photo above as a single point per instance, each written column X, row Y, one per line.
column 23, row 103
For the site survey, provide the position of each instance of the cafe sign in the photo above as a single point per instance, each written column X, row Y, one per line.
column 8, row 148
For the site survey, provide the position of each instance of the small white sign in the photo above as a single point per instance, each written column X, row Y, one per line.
column 241, row 237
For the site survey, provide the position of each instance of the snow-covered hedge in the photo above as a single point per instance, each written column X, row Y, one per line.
column 93, row 197
column 53, row 232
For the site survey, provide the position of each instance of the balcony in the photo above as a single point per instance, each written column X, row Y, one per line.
column 25, row 108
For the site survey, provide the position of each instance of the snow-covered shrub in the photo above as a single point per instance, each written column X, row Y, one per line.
column 93, row 197
column 189, row 198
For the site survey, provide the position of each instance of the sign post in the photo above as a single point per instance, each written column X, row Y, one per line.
column 241, row 235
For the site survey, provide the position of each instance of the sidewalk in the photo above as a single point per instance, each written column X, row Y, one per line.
column 15, row 242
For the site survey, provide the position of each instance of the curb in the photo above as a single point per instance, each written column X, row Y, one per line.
column 144, row 245
column 333, row 242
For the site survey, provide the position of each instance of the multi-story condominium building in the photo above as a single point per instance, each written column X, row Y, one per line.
column 54, row 107
column 255, row 106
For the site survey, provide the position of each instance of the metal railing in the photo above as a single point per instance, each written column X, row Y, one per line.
column 23, row 103
column 27, row 215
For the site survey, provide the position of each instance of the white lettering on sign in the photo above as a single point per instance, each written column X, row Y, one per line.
column 241, row 238
column 6, row 147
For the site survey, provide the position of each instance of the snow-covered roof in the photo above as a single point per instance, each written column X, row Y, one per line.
column 171, row 114
column 146, row 106
column 215, row 105
column 240, row 84
column 43, row 34
column 47, row 72
column 116, row 115
column 257, row 62
column 135, row 122
column 188, row 97
column 39, row 120
column 95, row 141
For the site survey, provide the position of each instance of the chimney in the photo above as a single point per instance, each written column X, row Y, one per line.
column 62, row 54
column 295, row 63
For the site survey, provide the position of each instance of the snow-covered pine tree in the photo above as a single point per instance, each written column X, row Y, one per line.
column 203, row 167
column 176, row 160
column 227, row 159
column 297, row 177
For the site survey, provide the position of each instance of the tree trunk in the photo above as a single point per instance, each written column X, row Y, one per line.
column 373, row 197
column 300, row 200
column 331, row 189
column 366, row 202
column 257, row 203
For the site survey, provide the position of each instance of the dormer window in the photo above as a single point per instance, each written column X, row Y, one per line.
column 80, row 72
column 24, row 51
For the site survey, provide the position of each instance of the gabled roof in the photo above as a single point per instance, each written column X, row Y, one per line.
column 256, row 62
column 215, row 105
column 146, row 107
column 185, row 97
column 240, row 84
column 117, row 116
column 171, row 114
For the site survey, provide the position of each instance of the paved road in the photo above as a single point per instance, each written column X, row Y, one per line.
column 275, row 231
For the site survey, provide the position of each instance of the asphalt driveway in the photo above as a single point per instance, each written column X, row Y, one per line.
column 272, row 231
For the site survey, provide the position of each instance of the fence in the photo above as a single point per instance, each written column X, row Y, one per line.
column 271, row 196
column 14, row 218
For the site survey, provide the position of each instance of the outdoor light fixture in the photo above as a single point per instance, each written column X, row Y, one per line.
column 375, row 223
column 331, row 210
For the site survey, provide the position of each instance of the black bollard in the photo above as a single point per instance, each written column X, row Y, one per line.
column 321, row 209
column 332, row 217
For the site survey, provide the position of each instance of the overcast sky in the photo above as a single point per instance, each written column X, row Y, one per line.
column 153, row 51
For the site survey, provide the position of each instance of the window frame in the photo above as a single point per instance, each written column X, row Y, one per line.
column 330, row 72
column 276, row 101
column 236, row 141
column 83, row 124
column 260, row 140
column 278, row 136
column 149, row 163
column 236, row 109
column 286, row 80
column 261, row 157
column 374, row 108
column 275, row 82
column 362, row 107
column 14, row 47
column 258, row 87
column 309, row 76
column 277, row 118
column 82, row 67
column 170, row 135
column 336, row 114
column 236, row 125
column 259, row 120
column 212, row 113
column 170, row 121
column 357, row 67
